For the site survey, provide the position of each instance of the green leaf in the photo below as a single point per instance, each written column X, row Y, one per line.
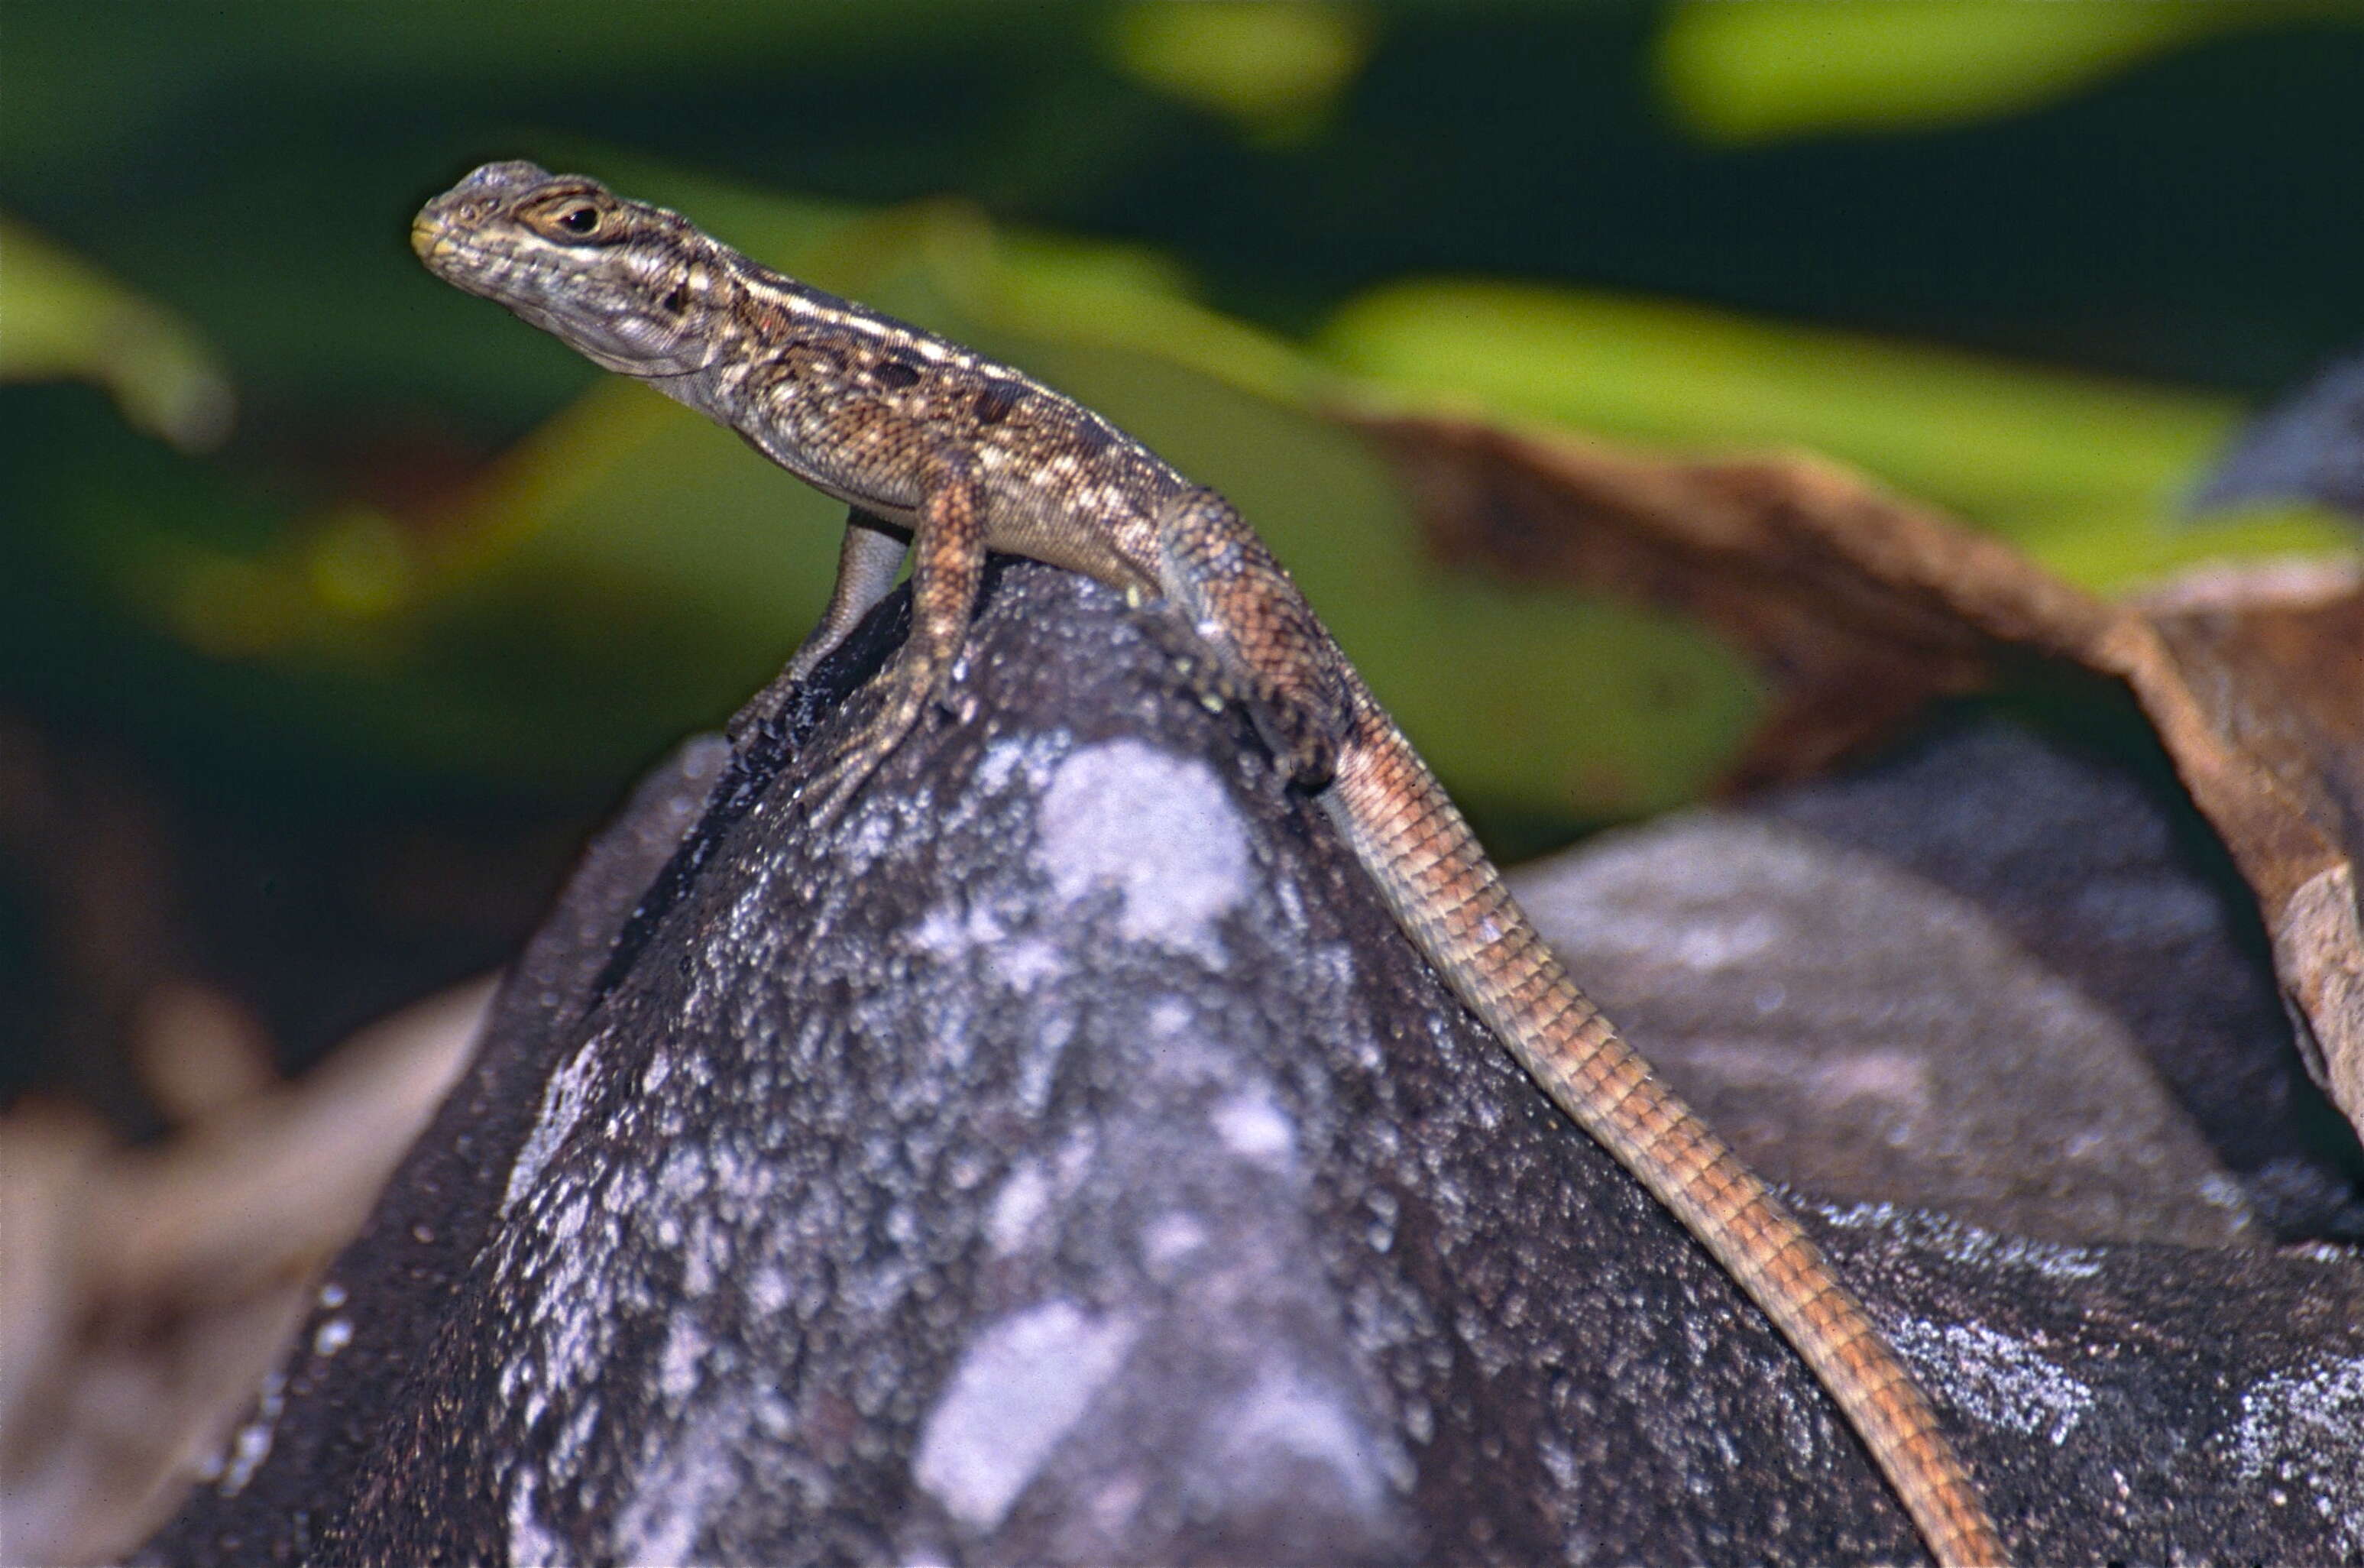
column 65, row 320
column 1275, row 70
column 1770, row 69
column 2084, row 472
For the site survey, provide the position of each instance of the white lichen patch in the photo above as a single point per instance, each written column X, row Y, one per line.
column 1030, row 756
column 1256, row 1129
column 530, row 1541
column 680, row 1487
column 768, row 1289
column 1158, row 828
column 1037, row 1062
column 1287, row 1415
column 1997, row 1379
column 684, row 1351
column 562, row 1101
column 2303, row 1431
column 252, row 1444
column 951, row 931
column 955, row 932
column 1022, row 1199
column 1170, row 1241
column 1025, row 962
column 1967, row 1244
column 559, row 1362
column 1022, row 1386
column 574, row 1438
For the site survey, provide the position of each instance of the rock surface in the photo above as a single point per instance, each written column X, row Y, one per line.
column 1063, row 1160
column 1990, row 975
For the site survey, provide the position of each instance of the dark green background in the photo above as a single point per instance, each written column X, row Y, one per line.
column 339, row 838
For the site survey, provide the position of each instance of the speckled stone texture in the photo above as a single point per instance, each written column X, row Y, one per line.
column 1063, row 1160
column 1992, row 974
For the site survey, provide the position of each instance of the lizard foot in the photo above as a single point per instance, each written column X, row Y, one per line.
column 1169, row 630
column 833, row 785
column 909, row 685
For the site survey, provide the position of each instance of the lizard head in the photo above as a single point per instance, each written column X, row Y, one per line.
column 631, row 286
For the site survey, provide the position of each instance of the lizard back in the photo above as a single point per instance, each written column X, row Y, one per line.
column 965, row 453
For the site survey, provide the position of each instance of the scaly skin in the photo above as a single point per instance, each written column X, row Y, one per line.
column 949, row 454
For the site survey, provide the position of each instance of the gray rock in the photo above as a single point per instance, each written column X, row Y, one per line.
column 2309, row 446
column 1865, row 1033
column 1063, row 1160
column 2102, row 873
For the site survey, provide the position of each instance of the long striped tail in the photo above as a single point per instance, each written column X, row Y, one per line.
column 1451, row 901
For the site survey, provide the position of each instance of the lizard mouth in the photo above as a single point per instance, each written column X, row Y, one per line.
column 478, row 269
column 444, row 252
column 530, row 289
column 428, row 237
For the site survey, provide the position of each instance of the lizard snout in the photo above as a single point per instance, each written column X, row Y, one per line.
column 430, row 237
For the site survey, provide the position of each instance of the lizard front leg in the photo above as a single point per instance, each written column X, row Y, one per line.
column 947, row 565
column 1274, row 656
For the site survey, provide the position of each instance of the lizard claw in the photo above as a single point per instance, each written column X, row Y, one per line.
column 833, row 789
column 835, row 781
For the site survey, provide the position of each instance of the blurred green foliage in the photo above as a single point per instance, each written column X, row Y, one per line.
column 64, row 321
column 2084, row 474
column 1774, row 68
column 439, row 553
column 1275, row 70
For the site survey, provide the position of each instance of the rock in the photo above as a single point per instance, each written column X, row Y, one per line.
column 2309, row 446
column 1062, row 1158
column 1990, row 975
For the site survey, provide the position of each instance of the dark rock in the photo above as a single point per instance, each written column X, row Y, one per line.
column 1062, row 1158
column 2309, row 446
column 1990, row 975
column 1810, row 1003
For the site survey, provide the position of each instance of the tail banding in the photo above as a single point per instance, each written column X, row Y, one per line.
column 1450, row 900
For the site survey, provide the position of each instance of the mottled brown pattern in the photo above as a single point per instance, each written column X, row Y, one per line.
column 956, row 455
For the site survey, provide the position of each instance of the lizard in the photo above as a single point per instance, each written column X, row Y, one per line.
column 944, row 454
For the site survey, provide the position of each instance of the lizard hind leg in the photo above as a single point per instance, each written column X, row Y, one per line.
column 1274, row 656
column 947, row 566
column 867, row 561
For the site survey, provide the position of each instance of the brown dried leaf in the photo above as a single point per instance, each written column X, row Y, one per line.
column 144, row 1292
column 2258, row 689
column 1860, row 607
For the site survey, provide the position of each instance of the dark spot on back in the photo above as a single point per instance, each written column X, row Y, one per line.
column 993, row 401
column 893, row 373
column 1091, row 438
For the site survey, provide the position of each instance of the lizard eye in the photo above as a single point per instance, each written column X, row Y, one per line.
column 579, row 220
